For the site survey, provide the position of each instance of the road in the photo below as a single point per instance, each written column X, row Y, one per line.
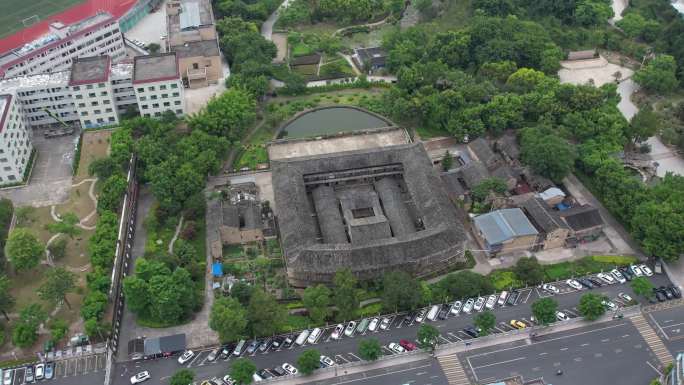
column 425, row 372
column 344, row 350
column 612, row 352
column 669, row 325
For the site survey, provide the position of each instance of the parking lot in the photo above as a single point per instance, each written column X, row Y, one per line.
column 84, row 366
column 668, row 322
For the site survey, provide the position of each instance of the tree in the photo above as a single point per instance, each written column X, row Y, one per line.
column 153, row 48
column 447, row 161
column 265, row 315
column 242, row 292
column 428, row 337
column 58, row 330
column 487, row 186
column 103, row 168
column 113, row 190
column 6, row 300
column 228, row 318
column 485, row 321
column 544, row 310
column 643, row 125
column 93, row 328
column 590, row 306
column 23, row 249
column 242, row 371
column 400, row 291
column 370, row 349
column 67, row 225
column 25, row 332
column 137, row 294
column 464, row 284
column 659, row 75
column 227, row 115
column 345, row 295
column 316, row 300
column 57, row 248
column 546, row 152
column 58, row 283
column 309, row 361
column 182, row 377
column 529, row 270
column 642, row 286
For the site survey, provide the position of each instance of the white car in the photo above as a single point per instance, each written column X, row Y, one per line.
column 468, row 307
column 140, row 377
column 40, row 371
column 337, row 333
column 327, row 361
column 185, row 357
column 610, row 305
column 384, row 324
column 618, row 276
column 373, row 324
column 606, row 278
column 395, row 347
column 561, row 316
column 491, row 301
column 647, row 270
column 349, row 331
column 289, row 368
column 574, row 284
column 479, row 304
column 456, row 307
column 7, row 377
column 228, row 380
column 421, row 315
column 636, row 270
column 550, row 288
column 625, row 297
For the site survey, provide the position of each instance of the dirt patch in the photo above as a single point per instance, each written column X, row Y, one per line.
column 95, row 145
column 280, row 40
column 597, row 71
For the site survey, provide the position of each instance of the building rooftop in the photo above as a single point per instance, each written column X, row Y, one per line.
column 582, row 217
column 153, row 68
column 480, row 148
column 545, row 218
column 473, row 173
column 55, row 79
column 372, row 56
column 502, row 225
column 121, row 71
column 193, row 14
column 204, row 48
column 87, row 70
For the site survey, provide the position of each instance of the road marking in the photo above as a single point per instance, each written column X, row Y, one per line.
column 543, row 353
column 499, row 363
column 654, row 342
column 654, row 368
column 528, row 296
column 605, row 340
column 342, row 358
column 563, row 349
column 455, row 336
column 386, row 373
column 355, row 356
column 451, row 366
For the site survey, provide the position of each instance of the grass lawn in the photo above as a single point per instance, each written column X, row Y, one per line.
column 307, row 70
column 301, row 49
column 95, row 145
column 367, row 39
column 79, row 203
column 427, row 133
column 12, row 12
column 326, row 28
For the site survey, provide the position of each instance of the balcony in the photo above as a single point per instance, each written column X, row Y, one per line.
column 197, row 74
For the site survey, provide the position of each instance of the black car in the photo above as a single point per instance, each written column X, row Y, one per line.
column 595, row 281
column 265, row 345
column 586, row 283
column 226, row 350
column 409, row 317
column 287, row 342
column 666, row 291
column 659, row 295
column 265, row 374
column 471, row 331
column 627, row 273
column 675, row 291
column 277, row 342
column 279, row 371
column 513, row 297
column 444, row 312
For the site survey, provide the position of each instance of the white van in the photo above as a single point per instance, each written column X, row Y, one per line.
column 256, row 378
column 239, row 347
column 432, row 314
column 301, row 339
column 313, row 337
column 502, row 298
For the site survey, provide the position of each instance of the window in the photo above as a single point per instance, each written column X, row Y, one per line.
column 87, row 122
column 155, row 105
column 81, row 105
column 157, row 113
column 167, row 104
column 100, row 85
column 150, row 88
column 179, row 112
column 97, row 112
column 79, row 96
column 11, row 177
column 162, row 87
column 91, row 95
column 177, row 103
column 153, row 97
column 176, row 94
column 77, row 88
column 174, row 85
column 7, row 168
column 141, row 89
column 164, row 96
column 143, row 98
column 111, row 119
column 146, row 115
column 3, row 160
column 106, row 101
column 100, row 120
column 103, row 93
column 95, row 103
column 84, row 113
column 89, row 86
column 144, row 106
column 195, row 66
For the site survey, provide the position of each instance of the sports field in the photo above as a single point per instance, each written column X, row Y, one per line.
column 12, row 12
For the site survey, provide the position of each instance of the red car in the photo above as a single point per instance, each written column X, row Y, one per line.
column 408, row 345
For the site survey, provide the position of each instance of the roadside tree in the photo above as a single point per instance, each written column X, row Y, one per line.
column 228, row 318
column 545, row 310
column 316, row 300
column 242, row 371
column 309, row 361
column 183, row 377
column 427, row 337
column 590, row 306
column 370, row 349
column 345, row 295
column 265, row 315
column 23, row 249
column 529, row 270
column 642, row 286
column 67, row 225
column 400, row 291
column 486, row 322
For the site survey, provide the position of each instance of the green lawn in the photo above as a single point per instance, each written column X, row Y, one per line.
column 12, row 12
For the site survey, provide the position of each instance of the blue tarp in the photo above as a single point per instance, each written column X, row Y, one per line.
column 562, row 206
column 217, row 269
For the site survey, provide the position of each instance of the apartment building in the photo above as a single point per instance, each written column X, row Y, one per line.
column 95, row 92
column 192, row 35
column 15, row 140
column 158, row 85
column 55, row 51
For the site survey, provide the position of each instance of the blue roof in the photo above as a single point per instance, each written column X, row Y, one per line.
column 502, row 225
column 217, row 269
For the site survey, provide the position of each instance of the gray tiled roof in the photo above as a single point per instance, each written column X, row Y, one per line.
column 502, row 225
column 546, row 219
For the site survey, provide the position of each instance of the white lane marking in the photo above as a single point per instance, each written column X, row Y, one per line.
column 384, row 374
column 585, row 344
column 654, row 368
column 500, row 362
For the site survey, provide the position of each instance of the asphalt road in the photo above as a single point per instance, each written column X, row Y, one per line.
column 425, row 372
column 669, row 325
column 606, row 353
column 344, row 350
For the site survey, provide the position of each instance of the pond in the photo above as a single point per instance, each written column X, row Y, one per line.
column 332, row 120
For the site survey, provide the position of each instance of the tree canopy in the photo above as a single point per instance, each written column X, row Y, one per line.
column 345, row 296
column 370, row 349
column 265, row 315
column 658, row 75
column 23, row 249
column 316, row 299
column 228, row 318
column 58, row 283
column 242, row 370
column 529, row 270
column 545, row 310
column 400, row 291
column 309, row 361
column 590, row 306
column 642, row 286
column 547, row 153
column 485, row 321
column 182, row 377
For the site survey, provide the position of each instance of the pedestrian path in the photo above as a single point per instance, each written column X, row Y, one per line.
column 453, row 370
column 654, row 342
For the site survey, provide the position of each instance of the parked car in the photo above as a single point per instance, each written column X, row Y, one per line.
column 40, row 371
column 409, row 317
column 239, row 348
column 636, row 270
column 646, row 270
column 660, row 296
column 408, row 345
column 385, row 323
column 28, row 374
column 373, row 325
column 597, row 282
column 227, row 380
column 288, row 341
column 456, row 307
column 7, row 377
column 279, row 371
column 609, row 304
column 561, row 316
column 289, row 368
column 513, row 298
column 444, row 312
column 265, row 344
column 618, row 276
column 518, row 324
column 363, row 325
column 667, row 292
column 574, row 284
column 471, row 331
column 301, row 338
column 185, row 357
column 252, row 347
column 313, row 337
column 606, row 278
column 479, row 304
column 213, row 355
column 627, row 273
column 226, row 350
column 140, row 377
column 395, row 347
column 255, row 378
column 327, row 361
column 349, row 330
column 421, row 315
column 675, row 291
column 265, row 374
column 491, row 301
column 337, row 333
column 586, row 283
column 550, row 288
column 468, row 307
column 625, row 297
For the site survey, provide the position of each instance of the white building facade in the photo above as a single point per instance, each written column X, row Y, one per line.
column 15, row 141
column 155, row 98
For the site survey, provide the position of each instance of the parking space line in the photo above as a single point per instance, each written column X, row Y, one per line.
column 447, row 341
column 455, row 336
column 526, row 298
column 194, row 359
column 342, row 358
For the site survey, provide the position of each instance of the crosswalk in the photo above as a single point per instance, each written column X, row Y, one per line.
column 654, row 342
column 453, row 370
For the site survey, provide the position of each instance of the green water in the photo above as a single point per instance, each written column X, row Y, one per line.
column 331, row 121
